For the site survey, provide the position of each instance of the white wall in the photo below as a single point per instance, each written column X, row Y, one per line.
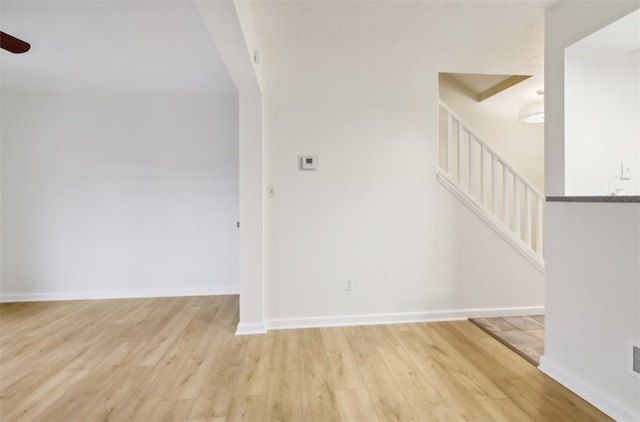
column 108, row 196
column 602, row 115
column 593, row 302
column 521, row 144
column 374, row 210
column 561, row 31
column 592, row 250
column 231, row 27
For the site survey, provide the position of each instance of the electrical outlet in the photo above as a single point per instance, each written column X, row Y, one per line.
column 348, row 285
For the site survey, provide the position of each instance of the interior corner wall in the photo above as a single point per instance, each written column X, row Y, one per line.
column 373, row 211
column 521, row 144
column 118, row 195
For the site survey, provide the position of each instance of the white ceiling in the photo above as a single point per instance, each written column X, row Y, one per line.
column 163, row 46
column 392, row 45
column 111, row 46
column 621, row 37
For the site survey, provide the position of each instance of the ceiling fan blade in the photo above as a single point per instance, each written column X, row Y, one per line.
column 13, row 44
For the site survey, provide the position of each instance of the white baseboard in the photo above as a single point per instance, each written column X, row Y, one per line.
column 505, row 312
column 244, row 329
column 119, row 294
column 609, row 405
column 398, row 318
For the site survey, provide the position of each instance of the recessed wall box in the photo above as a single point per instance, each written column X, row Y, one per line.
column 308, row 162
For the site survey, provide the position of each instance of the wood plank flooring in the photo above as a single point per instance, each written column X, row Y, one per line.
column 177, row 359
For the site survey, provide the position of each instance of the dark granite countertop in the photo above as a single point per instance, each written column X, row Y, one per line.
column 608, row 198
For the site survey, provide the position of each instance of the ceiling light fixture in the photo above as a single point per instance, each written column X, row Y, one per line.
column 533, row 113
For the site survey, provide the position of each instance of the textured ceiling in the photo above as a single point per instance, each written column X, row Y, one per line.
column 394, row 45
column 162, row 46
column 111, row 46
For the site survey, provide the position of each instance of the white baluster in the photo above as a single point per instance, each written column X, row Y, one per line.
column 472, row 166
column 527, row 213
column 505, row 199
column 460, row 132
column 516, row 207
column 494, row 177
column 482, row 166
column 449, row 144
column 540, row 227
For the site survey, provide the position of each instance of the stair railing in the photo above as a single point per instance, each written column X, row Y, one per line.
column 488, row 183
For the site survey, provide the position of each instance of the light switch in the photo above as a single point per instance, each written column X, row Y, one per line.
column 271, row 191
column 625, row 170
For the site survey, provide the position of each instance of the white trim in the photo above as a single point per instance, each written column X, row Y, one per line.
column 493, row 222
column 505, row 312
column 609, row 405
column 398, row 318
column 119, row 294
column 491, row 151
column 248, row 329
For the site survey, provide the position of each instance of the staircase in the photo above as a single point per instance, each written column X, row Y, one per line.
column 490, row 187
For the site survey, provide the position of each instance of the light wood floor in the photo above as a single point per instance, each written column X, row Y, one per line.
column 178, row 359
